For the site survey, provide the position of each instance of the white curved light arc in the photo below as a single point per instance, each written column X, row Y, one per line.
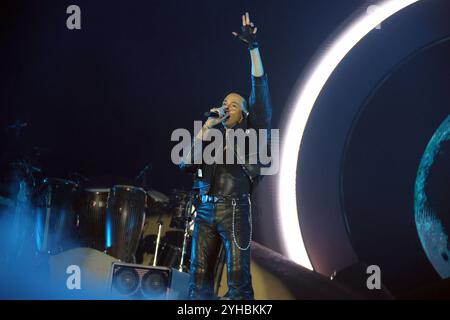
column 309, row 90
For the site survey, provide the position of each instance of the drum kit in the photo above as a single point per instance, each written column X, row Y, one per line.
column 47, row 216
column 166, row 236
column 126, row 222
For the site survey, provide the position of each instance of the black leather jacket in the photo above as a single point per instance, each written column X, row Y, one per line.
column 259, row 117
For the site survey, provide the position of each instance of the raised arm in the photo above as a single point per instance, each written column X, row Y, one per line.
column 257, row 65
column 260, row 105
column 248, row 36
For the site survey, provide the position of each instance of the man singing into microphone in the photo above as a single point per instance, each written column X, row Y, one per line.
column 225, row 211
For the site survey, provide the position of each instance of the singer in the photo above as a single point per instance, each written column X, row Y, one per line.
column 224, row 213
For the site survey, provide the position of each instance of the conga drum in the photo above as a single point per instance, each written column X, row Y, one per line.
column 56, row 216
column 92, row 218
column 125, row 215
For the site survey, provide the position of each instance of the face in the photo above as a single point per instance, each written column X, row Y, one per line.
column 234, row 105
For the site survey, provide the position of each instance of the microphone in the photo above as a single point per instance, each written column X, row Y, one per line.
column 215, row 113
column 211, row 114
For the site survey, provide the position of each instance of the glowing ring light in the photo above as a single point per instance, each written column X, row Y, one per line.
column 310, row 89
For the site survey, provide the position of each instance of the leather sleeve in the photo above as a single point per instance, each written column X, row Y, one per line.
column 260, row 104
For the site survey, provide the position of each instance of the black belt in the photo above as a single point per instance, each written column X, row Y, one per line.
column 207, row 198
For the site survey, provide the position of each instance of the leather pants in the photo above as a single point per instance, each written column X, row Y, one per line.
column 214, row 223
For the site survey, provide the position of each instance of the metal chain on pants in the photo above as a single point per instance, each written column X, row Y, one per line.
column 233, row 202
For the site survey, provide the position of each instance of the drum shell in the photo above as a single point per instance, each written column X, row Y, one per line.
column 92, row 218
column 125, row 215
column 56, row 216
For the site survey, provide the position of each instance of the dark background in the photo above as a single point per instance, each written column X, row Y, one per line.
column 104, row 100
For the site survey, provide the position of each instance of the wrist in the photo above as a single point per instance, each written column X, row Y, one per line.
column 253, row 46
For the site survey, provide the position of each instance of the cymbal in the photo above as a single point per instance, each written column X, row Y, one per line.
column 158, row 196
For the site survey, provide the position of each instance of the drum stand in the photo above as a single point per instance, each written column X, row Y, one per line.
column 158, row 238
column 187, row 216
column 183, row 251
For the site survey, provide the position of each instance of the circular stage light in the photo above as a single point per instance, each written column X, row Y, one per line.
column 308, row 92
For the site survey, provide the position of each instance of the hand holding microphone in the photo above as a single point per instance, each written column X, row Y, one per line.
column 216, row 116
column 216, row 112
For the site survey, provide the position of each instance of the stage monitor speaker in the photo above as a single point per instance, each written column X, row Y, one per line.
column 139, row 282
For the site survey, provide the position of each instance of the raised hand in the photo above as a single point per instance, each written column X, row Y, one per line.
column 248, row 32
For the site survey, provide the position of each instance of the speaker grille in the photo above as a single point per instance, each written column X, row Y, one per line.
column 137, row 282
